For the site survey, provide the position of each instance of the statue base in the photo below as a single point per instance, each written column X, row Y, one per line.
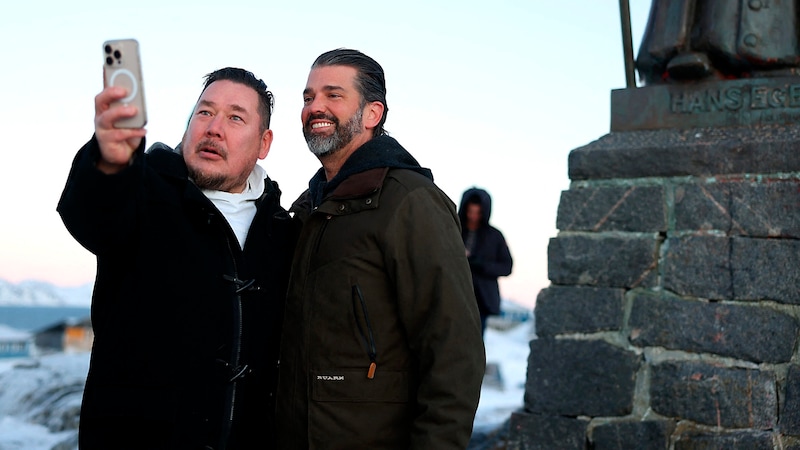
column 719, row 103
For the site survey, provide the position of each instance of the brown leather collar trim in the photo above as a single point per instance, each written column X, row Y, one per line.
column 360, row 184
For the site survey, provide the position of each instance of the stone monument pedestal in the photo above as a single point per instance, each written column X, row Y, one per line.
column 673, row 314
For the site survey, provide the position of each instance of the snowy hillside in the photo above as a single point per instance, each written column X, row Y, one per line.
column 40, row 398
column 40, row 402
column 40, row 293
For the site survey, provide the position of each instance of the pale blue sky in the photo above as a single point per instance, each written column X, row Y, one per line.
column 493, row 94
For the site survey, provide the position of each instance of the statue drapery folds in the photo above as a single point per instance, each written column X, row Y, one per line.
column 689, row 40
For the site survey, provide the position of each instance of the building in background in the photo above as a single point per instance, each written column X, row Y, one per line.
column 14, row 343
column 68, row 335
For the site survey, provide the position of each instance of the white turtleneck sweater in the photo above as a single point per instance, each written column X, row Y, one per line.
column 239, row 209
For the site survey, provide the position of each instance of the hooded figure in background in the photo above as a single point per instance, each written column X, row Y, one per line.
column 487, row 252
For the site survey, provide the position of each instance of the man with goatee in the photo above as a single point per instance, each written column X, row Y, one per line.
column 381, row 345
column 193, row 250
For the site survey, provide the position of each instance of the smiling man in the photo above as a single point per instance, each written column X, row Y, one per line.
column 193, row 250
column 381, row 345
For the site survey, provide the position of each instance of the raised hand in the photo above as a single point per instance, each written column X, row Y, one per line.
column 117, row 145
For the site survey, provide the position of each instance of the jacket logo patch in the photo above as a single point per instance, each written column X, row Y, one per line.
column 330, row 377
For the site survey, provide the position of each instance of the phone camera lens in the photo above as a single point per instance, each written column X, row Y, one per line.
column 109, row 60
column 108, row 49
column 117, row 54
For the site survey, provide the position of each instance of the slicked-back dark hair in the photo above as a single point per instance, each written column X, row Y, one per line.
column 266, row 101
column 370, row 80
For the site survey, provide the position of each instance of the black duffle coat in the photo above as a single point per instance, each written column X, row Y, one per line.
column 186, row 322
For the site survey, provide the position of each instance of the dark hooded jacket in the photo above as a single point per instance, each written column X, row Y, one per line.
column 490, row 257
column 381, row 345
column 186, row 323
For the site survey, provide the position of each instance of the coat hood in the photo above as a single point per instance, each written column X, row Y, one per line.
column 380, row 152
column 483, row 197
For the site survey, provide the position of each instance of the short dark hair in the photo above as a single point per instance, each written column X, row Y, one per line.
column 370, row 80
column 266, row 101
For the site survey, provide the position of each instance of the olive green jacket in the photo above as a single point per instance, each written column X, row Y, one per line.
column 381, row 347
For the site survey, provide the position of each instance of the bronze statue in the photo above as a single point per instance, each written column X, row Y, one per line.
column 719, row 39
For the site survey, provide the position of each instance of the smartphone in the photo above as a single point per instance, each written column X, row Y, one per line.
column 122, row 67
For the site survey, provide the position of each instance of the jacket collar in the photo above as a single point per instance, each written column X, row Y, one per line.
column 380, row 152
column 360, row 184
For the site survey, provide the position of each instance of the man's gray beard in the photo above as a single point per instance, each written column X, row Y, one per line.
column 327, row 145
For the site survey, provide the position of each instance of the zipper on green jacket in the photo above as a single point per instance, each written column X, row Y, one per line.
column 369, row 339
column 321, row 232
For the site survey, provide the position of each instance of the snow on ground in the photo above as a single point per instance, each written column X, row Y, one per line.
column 39, row 401
column 16, row 434
column 40, row 397
column 503, row 394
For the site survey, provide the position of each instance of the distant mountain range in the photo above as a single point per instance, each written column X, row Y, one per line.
column 41, row 293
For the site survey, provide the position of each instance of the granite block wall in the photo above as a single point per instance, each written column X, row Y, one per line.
column 673, row 314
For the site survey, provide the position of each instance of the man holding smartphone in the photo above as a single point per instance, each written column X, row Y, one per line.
column 193, row 250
